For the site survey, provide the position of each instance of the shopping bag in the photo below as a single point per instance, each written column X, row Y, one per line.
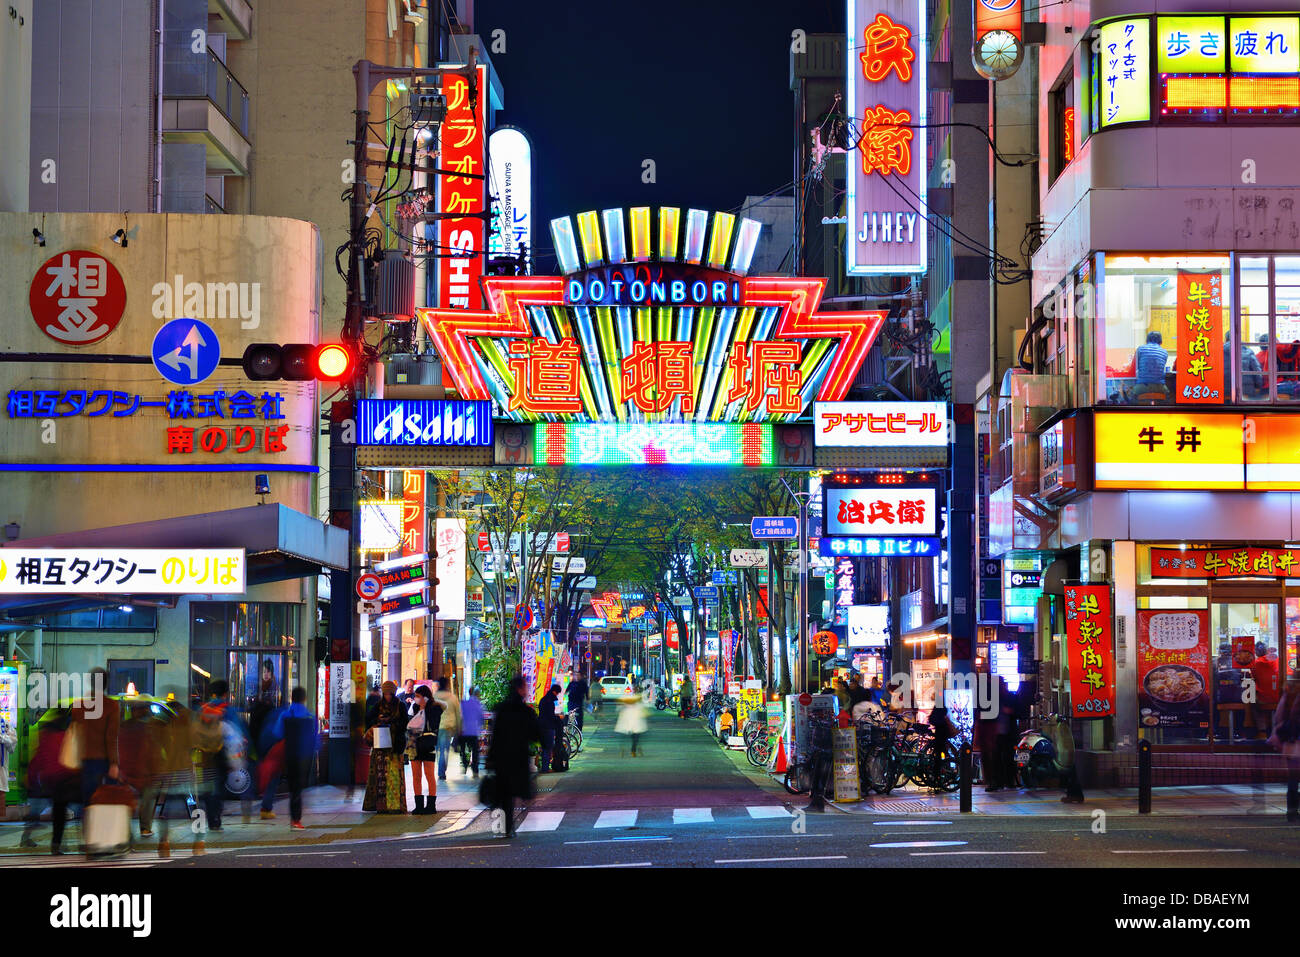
column 107, row 828
column 70, row 749
column 383, row 737
column 487, row 790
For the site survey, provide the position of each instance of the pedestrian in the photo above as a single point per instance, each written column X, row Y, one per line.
column 8, row 745
column 218, row 737
column 173, row 782
column 1263, row 671
column 386, row 731
column 422, row 747
column 514, row 728
column 551, row 724
column 631, row 719
column 996, row 737
column 471, row 729
column 94, row 726
column 406, row 695
column 1062, row 738
column 842, row 694
column 298, row 729
column 48, row 781
column 1286, row 738
column 270, row 767
column 449, row 727
column 687, row 692
column 578, row 691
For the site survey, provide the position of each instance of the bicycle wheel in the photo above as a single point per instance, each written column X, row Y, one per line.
column 798, row 778
column 942, row 774
column 759, row 752
column 877, row 768
column 573, row 740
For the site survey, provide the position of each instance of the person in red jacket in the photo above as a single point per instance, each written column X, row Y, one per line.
column 1264, row 670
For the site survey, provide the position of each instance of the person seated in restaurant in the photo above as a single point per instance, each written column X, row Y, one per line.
column 1286, row 356
column 1250, row 369
column 1149, row 361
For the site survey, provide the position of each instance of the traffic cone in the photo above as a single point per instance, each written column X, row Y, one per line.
column 779, row 766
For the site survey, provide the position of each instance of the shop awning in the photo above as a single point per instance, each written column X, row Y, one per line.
column 280, row 544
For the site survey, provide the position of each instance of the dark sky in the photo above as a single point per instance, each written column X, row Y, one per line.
column 699, row 86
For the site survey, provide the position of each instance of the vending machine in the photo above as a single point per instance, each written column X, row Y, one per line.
column 12, row 675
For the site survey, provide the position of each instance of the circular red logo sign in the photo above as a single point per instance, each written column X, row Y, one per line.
column 77, row 297
column 805, row 699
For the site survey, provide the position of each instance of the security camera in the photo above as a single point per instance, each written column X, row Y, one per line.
column 38, row 237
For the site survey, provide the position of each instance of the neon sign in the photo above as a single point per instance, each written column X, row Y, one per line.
column 588, row 346
column 662, row 443
column 877, row 547
column 461, row 199
column 423, row 422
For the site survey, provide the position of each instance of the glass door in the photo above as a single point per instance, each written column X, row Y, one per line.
column 1244, row 658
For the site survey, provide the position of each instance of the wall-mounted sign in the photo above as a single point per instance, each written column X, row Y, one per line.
column 451, row 564
column 1056, row 459
column 463, row 139
column 1004, row 662
column 725, row 577
column 415, row 520
column 569, row 565
column 749, row 558
column 879, row 512
column 511, row 157
column 886, row 85
column 1191, row 44
column 1264, row 45
column 1173, row 668
column 1020, row 589
column 877, row 547
column 999, row 38
column 1169, row 450
column 186, row 351
column 381, row 525
column 1090, row 636
column 654, row 284
column 659, row 443
column 880, row 424
column 1124, row 58
column 423, row 422
column 1225, row 563
column 121, row 571
column 868, row 626
column 77, row 298
column 1198, row 309
column 591, row 621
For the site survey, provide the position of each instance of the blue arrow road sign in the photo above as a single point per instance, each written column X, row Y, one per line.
column 775, row 526
column 186, row 351
column 706, row 591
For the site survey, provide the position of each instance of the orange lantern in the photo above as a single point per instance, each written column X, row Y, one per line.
column 824, row 643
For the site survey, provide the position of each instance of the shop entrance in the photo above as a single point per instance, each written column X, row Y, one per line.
column 1245, row 650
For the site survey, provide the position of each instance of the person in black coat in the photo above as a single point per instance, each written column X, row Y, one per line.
column 514, row 728
column 577, row 693
column 551, row 725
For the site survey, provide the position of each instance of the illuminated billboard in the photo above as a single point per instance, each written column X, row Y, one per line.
column 510, row 158
column 874, row 512
column 1124, row 62
column 886, row 103
column 663, row 443
column 462, row 200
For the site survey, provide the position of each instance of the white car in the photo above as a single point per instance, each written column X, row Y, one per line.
column 613, row 688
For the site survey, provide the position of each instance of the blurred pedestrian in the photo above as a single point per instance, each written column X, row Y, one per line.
column 48, row 781
column 1286, row 738
column 173, row 780
column 551, row 724
column 449, row 727
column 842, row 694
column 386, row 731
column 422, row 739
column 1263, row 670
column 93, row 748
column 577, row 696
column 686, row 693
column 471, row 729
column 1058, row 730
column 514, row 728
column 219, row 737
column 297, row 729
column 631, row 719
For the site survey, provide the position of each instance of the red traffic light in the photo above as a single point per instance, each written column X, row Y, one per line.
column 333, row 362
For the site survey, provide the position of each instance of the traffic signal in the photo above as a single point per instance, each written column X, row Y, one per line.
column 298, row 361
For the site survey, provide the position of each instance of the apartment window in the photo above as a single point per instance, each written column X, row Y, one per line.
column 1062, row 139
column 1167, row 329
column 1269, row 358
column 129, row 618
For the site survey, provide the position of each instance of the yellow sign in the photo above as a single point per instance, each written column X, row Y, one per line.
column 359, row 681
column 1191, row 44
column 1272, row 452
column 1169, row 450
column 1124, row 61
column 1265, row 44
column 751, row 699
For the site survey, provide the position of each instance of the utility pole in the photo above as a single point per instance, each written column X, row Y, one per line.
column 801, row 656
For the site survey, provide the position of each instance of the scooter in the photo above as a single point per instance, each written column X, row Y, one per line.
column 1037, row 754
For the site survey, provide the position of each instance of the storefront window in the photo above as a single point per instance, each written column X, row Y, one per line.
column 1270, row 328
column 251, row 645
column 1167, row 329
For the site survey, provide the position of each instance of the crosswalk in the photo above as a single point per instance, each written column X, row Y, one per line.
column 540, row 821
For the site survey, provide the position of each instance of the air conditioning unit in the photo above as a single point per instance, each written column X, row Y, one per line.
column 413, row 370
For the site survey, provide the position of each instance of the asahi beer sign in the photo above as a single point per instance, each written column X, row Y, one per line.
column 423, row 422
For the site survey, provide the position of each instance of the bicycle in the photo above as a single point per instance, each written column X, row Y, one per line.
column 572, row 733
column 800, row 776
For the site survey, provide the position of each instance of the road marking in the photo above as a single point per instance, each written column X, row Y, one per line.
column 692, row 815
column 541, row 821
column 569, row 867
column 450, row 847
column 770, row 837
column 1207, row 850
column 906, row 823
column 616, row 819
column 921, row 844
column 767, row 860
column 295, row 854
column 614, row 840
column 760, row 812
column 968, row 853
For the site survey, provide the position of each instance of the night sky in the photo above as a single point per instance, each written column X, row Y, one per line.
column 699, row 86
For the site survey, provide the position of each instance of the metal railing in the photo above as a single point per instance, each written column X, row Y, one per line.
column 189, row 74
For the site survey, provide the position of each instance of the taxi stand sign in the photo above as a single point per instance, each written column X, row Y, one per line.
column 122, row 571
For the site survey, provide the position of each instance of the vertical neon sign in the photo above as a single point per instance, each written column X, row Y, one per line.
column 463, row 138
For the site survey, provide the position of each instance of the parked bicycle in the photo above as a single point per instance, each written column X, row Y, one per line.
column 572, row 733
column 801, row 775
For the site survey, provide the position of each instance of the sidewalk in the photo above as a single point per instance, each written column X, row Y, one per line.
column 328, row 815
column 1204, row 800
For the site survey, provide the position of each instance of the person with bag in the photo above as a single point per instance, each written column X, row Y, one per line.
column 471, row 728
column 423, row 736
column 552, row 726
column 514, row 729
column 386, row 732
column 218, row 737
column 90, row 746
column 1286, row 738
column 450, row 726
column 48, row 781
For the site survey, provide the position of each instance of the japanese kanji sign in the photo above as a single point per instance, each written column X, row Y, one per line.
column 1090, row 636
column 414, row 521
column 877, row 512
column 880, row 424
column 122, row 571
column 451, row 551
column 77, row 298
column 1199, row 376
column 511, row 156
column 1125, row 67
column 886, row 101
column 1225, row 563
column 1173, row 668
column 461, row 240
column 1169, row 450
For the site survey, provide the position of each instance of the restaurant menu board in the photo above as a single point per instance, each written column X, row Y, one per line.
column 1173, row 668
column 844, row 772
column 1090, row 636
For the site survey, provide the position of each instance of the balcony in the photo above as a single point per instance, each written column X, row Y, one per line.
column 237, row 15
column 204, row 103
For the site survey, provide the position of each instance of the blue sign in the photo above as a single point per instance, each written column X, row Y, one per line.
column 589, row 621
column 706, row 591
column 776, row 526
column 878, row 547
column 424, row 422
column 665, row 609
column 725, row 578
column 186, row 351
